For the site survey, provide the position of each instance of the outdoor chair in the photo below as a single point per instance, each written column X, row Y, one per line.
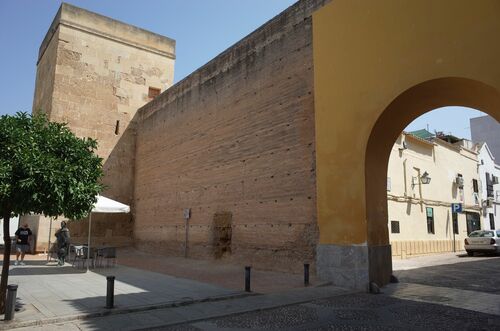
column 82, row 256
column 106, row 255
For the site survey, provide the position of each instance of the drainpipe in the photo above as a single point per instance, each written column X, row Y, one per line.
column 404, row 177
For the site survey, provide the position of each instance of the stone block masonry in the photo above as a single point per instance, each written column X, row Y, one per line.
column 236, row 136
column 94, row 73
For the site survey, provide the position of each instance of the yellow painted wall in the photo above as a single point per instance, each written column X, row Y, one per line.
column 366, row 54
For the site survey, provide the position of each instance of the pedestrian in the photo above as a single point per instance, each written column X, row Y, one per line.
column 23, row 238
column 62, row 236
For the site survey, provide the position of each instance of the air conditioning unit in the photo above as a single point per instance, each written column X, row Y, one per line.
column 459, row 180
column 488, row 203
column 495, row 180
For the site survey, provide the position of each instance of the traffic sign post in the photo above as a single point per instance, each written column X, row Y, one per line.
column 456, row 207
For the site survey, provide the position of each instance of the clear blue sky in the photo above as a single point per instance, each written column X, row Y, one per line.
column 201, row 28
column 454, row 120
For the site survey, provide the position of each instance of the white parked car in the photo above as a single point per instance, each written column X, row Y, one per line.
column 486, row 241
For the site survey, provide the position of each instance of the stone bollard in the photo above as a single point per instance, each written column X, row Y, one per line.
column 10, row 305
column 306, row 274
column 110, row 292
column 247, row 278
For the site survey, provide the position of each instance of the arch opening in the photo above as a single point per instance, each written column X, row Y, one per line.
column 406, row 107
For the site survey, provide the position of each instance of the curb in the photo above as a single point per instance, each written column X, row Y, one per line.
column 8, row 325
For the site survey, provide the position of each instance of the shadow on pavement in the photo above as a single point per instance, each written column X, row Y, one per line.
column 55, row 292
column 352, row 312
column 62, row 291
column 43, row 270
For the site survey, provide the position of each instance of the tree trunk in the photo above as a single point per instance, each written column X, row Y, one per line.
column 6, row 260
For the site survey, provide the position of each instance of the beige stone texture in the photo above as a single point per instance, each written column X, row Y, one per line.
column 45, row 73
column 93, row 23
column 93, row 74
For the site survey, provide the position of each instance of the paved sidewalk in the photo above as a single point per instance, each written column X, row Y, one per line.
column 69, row 299
column 401, row 306
column 51, row 292
column 196, row 312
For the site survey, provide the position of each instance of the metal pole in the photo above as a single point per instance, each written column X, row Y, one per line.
column 306, row 274
column 10, row 305
column 88, row 242
column 454, row 216
column 110, row 292
column 247, row 278
column 186, row 239
column 454, row 243
column 50, row 234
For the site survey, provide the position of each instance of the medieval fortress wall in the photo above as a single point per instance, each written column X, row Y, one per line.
column 94, row 73
column 235, row 143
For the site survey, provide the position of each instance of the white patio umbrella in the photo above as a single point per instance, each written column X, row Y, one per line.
column 105, row 205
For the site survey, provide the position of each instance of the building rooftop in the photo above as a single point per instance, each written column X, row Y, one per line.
column 422, row 134
column 448, row 137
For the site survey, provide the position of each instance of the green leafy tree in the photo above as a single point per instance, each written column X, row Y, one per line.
column 44, row 169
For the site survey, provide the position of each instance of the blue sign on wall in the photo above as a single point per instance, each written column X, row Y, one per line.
column 456, row 207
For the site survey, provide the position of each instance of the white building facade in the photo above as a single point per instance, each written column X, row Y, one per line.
column 489, row 174
column 425, row 177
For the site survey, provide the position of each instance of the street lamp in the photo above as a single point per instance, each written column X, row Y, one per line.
column 424, row 179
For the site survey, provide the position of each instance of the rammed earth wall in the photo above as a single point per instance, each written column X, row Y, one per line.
column 236, row 136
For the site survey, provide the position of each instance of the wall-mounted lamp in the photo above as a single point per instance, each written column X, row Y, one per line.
column 424, row 179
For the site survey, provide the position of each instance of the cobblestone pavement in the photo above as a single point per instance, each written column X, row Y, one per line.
column 456, row 296
column 430, row 260
column 352, row 312
column 430, row 298
column 480, row 273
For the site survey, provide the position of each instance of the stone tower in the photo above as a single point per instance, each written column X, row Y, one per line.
column 93, row 73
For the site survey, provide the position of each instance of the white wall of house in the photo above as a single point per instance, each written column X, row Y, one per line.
column 411, row 203
column 14, row 225
column 489, row 173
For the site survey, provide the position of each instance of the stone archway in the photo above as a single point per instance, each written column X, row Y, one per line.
column 377, row 66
